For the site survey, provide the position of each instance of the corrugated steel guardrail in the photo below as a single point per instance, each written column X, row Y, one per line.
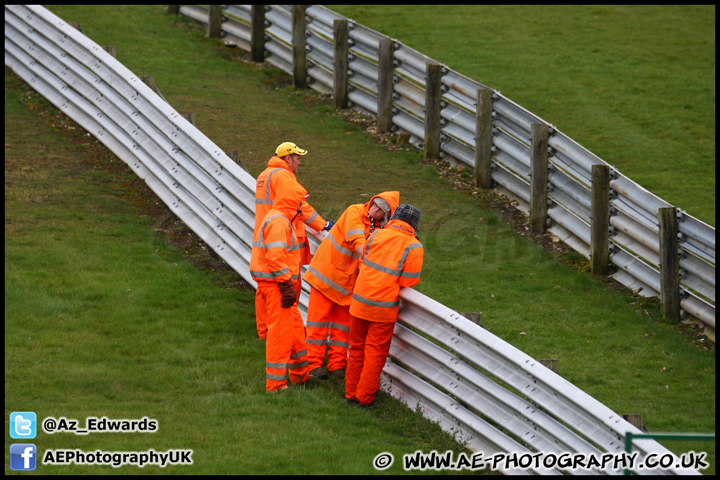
column 500, row 399
column 634, row 211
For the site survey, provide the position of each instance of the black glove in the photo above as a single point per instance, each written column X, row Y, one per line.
column 329, row 225
column 287, row 289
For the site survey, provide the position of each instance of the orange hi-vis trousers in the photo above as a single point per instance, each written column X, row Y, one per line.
column 260, row 314
column 261, row 311
column 324, row 318
column 285, row 344
column 369, row 348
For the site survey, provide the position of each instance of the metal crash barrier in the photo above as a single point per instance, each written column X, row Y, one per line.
column 634, row 223
column 470, row 381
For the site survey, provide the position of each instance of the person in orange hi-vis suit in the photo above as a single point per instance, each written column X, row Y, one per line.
column 282, row 168
column 275, row 266
column 332, row 275
column 391, row 259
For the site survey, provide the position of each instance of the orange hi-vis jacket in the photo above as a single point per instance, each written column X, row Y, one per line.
column 392, row 258
column 276, row 252
column 334, row 267
column 266, row 187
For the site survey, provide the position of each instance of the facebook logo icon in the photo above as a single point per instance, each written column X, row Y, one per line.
column 23, row 425
column 23, row 456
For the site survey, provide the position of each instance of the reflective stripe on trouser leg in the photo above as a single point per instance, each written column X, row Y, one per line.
column 356, row 356
column 318, row 327
column 279, row 339
column 339, row 337
column 298, row 364
column 377, row 347
column 260, row 314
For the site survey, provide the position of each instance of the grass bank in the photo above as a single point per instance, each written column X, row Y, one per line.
column 105, row 318
column 607, row 343
column 634, row 84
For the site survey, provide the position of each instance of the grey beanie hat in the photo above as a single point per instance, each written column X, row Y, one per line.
column 384, row 206
column 409, row 214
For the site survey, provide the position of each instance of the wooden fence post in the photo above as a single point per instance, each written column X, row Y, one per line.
column 636, row 420
column 483, row 139
column 475, row 317
column 257, row 37
column 149, row 81
column 539, row 177
column 234, row 155
column 75, row 25
column 669, row 263
column 189, row 116
column 340, row 59
column 111, row 50
column 385, row 85
column 551, row 363
column 298, row 40
column 600, row 220
column 433, row 94
column 214, row 21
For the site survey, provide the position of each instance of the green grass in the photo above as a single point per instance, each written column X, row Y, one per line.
column 73, row 248
column 633, row 84
column 105, row 318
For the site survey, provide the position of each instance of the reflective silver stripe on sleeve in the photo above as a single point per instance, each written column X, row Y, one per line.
column 312, row 341
column 410, row 275
column 310, row 220
column 267, row 275
column 270, row 245
column 355, row 231
column 281, row 272
column 375, row 303
column 412, row 246
column 273, row 275
column 340, row 248
column 328, row 282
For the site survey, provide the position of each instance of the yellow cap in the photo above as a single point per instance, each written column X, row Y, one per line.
column 288, row 148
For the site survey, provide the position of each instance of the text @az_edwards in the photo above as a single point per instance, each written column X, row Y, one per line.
column 98, row 425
